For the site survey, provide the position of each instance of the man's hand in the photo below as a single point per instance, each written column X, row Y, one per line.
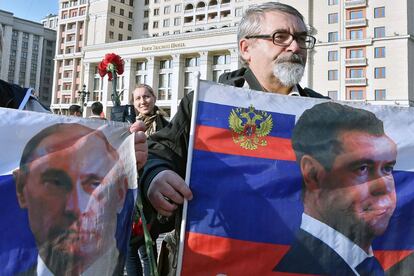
column 141, row 147
column 166, row 190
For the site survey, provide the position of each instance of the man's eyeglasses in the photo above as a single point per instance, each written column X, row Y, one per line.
column 279, row 38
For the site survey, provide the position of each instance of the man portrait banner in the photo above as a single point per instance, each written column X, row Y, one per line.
column 67, row 187
column 294, row 186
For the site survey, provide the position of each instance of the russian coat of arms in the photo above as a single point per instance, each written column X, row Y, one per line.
column 250, row 127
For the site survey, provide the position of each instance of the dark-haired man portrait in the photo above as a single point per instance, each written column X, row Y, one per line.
column 73, row 185
column 347, row 162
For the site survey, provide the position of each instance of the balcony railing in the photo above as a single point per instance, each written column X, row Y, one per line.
column 356, row 81
column 360, row 22
column 356, row 61
column 355, row 3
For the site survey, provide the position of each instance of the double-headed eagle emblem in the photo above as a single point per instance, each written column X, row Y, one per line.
column 250, row 127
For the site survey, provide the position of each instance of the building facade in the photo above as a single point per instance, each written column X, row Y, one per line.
column 364, row 48
column 50, row 21
column 27, row 56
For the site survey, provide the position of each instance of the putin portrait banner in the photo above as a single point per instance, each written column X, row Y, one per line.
column 67, row 187
column 297, row 186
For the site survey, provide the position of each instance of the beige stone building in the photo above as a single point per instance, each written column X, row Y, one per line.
column 27, row 56
column 364, row 49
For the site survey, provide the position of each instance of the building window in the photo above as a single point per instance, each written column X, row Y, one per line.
column 146, row 13
column 111, row 34
column 379, row 72
column 155, row 24
column 166, row 23
column 332, row 55
column 177, row 8
column 332, row 2
column 191, row 66
column 167, row 9
column 379, row 32
column 141, row 72
column 129, row 38
column 379, row 52
column 332, row 74
column 356, row 94
column 165, row 64
column 238, row 12
column 146, row 2
column 156, row 11
column 221, row 64
column 356, row 53
column 332, row 18
column 380, row 94
column 379, row 12
column 120, row 37
column 129, row 27
column 221, row 59
column 333, row 95
column 177, row 21
column 112, row 22
column 357, row 14
column 145, row 26
column 121, row 24
column 121, row 11
column 113, row 9
column 356, row 34
column 332, row 36
column 130, row 15
column 356, row 73
column 192, row 62
column 165, row 80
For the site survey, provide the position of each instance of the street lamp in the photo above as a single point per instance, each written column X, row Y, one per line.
column 83, row 94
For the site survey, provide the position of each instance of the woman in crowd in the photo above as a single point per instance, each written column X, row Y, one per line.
column 154, row 118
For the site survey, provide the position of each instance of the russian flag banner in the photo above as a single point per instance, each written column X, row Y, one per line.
column 298, row 186
column 67, row 187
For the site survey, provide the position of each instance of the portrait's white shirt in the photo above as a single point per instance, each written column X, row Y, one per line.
column 294, row 92
column 99, row 267
column 351, row 253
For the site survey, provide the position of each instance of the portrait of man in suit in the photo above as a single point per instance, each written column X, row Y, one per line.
column 73, row 185
column 348, row 191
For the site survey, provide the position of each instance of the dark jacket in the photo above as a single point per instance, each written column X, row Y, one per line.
column 168, row 148
column 14, row 96
column 309, row 255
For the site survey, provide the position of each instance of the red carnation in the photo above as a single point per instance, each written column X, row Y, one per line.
column 110, row 64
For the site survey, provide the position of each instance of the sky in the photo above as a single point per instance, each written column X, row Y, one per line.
column 33, row 10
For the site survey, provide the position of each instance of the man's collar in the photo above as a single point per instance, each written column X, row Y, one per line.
column 42, row 269
column 294, row 91
column 351, row 253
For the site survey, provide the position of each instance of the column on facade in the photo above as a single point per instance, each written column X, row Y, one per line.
column 205, row 66
column 234, row 57
column 177, row 84
column 152, row 69
column 87, row 79
column 5, row 58
column 129, row 81
column 29, row 61
column 18, row 57
column 39, row 65
column 106, row 95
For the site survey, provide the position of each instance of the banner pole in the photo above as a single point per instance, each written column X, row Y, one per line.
column 196, row 85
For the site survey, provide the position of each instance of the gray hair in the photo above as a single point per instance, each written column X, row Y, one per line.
column 250, row 24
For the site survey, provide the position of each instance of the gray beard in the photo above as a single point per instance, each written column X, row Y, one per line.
column 288, row 73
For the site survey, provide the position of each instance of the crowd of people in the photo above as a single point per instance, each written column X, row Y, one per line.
column 273, row 41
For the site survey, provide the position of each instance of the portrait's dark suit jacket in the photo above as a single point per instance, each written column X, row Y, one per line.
column 309, row 255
